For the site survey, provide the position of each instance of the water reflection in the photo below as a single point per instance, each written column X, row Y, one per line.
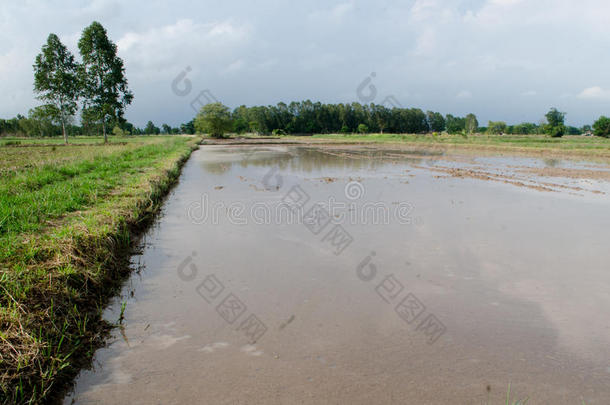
column 308, row 160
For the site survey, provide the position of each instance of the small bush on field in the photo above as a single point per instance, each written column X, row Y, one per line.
column 118, row 131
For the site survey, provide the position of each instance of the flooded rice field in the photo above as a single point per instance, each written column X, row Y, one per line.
column 300, row 275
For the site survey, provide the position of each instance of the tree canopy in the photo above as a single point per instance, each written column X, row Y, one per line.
column 214, row 119
column 496, row 127
column 55, row 82
column 555, row 123
column 601, row 127
column 102, row 76
column 307, row 117
column 471, row 123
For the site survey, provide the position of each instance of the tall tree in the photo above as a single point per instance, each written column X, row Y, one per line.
column 103, row 76
column 151, row 129
column 55, row 81
column 436, row 121
column 555, row 123
column 455, row 124
column 166, row 129
column 471, row 123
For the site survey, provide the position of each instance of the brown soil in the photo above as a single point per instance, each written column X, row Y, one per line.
column 569, row 173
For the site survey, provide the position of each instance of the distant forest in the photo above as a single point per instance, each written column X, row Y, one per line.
column 303, row 118
column 316, row 118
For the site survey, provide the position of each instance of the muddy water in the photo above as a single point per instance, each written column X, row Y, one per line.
column 448, row 290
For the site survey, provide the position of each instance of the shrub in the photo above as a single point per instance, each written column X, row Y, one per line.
column 363, row 129
column 118, row 131
column 602, row 127
column 496, row 127
column 555, row 131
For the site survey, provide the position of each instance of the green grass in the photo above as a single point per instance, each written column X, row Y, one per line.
column 67, row 214
column 75, row 140
column 514, row 402
column 569, row 145
column 531, row 143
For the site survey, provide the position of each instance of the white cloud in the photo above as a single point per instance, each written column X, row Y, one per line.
column 182, row 33
column 505, row 3
column 595, row 93
column 236, row 66
column 156, row 51
column 333, row 15
column 464, row 94
column 529, row 93
column 342, row 9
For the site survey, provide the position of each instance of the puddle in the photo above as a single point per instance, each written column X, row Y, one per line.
column 405, row 286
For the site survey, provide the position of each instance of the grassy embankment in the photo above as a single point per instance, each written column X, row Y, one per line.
column 67, row 219
column 74, row 140
column 567, row 145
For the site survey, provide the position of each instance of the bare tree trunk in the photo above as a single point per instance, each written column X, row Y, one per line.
column 104, row 130
column 63, row 127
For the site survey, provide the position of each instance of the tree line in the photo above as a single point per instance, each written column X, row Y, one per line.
column 41, row 125
column 309, row 117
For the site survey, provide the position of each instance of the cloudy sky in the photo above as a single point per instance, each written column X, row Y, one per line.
column 501, row 59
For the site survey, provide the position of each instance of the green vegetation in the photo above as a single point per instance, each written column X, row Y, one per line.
column 568, row 145
column 66, row 218
column 363, row 129
column 555, row 123
column 60, row 81
column 306, row 118
column 496, row 127
column 516, row 402
column 56, row 82
column 471, row 124
column 38, row 124
column 214, row 119
column 102, row 77
column 76, row 140
column 602, row 127
column 151, row 128
column 436, row 121
column 117, row 131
